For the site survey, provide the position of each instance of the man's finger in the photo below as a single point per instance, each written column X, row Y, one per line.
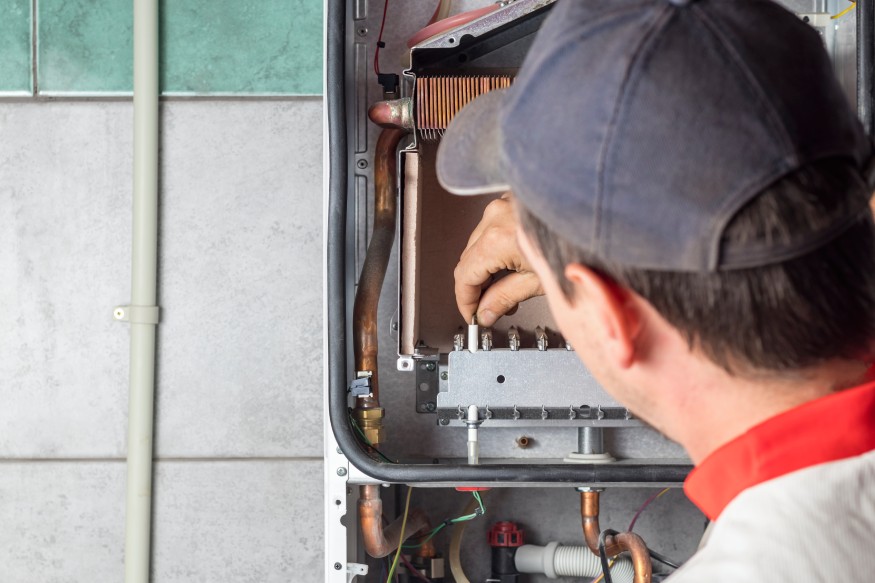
column 505, row 294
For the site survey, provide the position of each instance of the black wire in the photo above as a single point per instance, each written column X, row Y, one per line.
column 603, row 555
column 663, row 559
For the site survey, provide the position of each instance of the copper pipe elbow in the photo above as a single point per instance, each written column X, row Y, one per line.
column 589, row 514
column 614, row 544
column 379, row 541
column 395, row 113
column 637, row 548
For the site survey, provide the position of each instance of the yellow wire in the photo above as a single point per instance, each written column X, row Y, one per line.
column 401, row 539
column 602, row 576
column 843, row 12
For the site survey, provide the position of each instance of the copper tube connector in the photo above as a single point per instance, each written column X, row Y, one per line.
column 367, row 298
column 614, row 544
column 394, row 113
column 379, row 541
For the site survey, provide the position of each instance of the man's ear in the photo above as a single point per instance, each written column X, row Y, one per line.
column 615, row 311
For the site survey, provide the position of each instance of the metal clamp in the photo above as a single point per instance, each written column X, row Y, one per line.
column 136, row 314
column 362, row 385
column 353, row 570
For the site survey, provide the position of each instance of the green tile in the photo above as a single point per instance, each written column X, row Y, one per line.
column 15, row 27
column 207, row 46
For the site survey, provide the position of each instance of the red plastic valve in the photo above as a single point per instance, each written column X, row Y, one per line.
column 505, row 534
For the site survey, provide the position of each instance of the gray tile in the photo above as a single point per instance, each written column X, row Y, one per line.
column 241, row 522
column 62, row 522
column 240, row 286
column 64, row 256
column 227, row 521
column 240, row 369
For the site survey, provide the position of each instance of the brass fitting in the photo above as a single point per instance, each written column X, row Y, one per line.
column 370, row 420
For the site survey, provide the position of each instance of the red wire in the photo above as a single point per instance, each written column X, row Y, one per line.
column 380, row 39
column 644, row 506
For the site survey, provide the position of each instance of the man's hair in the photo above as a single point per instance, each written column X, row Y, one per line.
column 777, row 318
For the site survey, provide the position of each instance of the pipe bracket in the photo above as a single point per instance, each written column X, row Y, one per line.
column 136, row 314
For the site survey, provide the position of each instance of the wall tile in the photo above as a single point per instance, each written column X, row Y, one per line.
column 208, row 46
column 238, row 522
column 65, row 257
column 231, row 522
column 62, row 522
column 240, row 368
column 239, row 348
column 15, row 45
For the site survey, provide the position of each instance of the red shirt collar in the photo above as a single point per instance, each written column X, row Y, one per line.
column 838, row 426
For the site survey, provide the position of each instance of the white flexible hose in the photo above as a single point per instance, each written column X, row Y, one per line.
column 555, row 560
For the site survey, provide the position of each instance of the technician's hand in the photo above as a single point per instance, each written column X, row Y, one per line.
column 492, row 248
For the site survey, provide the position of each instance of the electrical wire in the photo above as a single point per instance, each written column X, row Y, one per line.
column 365, row 439
column 456, row 545
column 610, row 566
column 603, row 555
column 843, row 12
column 647, row 503
column 403, row 527
column 380, row 43
column 663, row 559
column 479, row 511
column 414, row 571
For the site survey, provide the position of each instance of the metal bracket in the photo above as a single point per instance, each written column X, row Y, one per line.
column 136, row 314
column 353, row 570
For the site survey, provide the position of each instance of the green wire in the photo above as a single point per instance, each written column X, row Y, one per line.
column 364, row 437
column 479, row 512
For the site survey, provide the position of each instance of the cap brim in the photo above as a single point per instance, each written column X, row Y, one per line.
column 469, row 155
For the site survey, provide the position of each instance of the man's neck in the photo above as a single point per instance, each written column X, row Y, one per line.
column 718, row 407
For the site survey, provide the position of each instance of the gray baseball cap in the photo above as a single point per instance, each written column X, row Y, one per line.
column 637, row 129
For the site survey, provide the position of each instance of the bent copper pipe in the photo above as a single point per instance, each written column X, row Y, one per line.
column 614, row 544
column 367, row 298
column 589, row 514
column 395, row 113
column 379, row 541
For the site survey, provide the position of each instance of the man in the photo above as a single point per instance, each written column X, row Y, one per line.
column 689, row 188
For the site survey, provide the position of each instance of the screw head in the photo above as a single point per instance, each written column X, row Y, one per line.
column 430, row 407
column 430, row 366
column 362, row 31
column 362, row 164
column 444, row 421
column 445, row 375
column 395, row 326
column 338, row 566
column 341, row 471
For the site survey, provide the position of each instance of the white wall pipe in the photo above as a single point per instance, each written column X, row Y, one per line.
column 144, row 289
column 556, row 560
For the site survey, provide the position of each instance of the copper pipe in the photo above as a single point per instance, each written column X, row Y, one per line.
column 634, row 544
column 379, row 541
column 367, row 298
column 395, row 113
column 614, row 544
column 589, row 514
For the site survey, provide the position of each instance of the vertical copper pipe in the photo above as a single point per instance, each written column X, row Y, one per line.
column 367, row 298
column 616, row 544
